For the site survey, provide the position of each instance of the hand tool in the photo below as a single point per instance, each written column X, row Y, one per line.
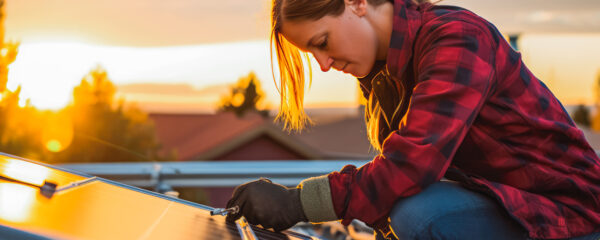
column 225, row 211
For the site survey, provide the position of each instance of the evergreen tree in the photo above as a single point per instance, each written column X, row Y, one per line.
column 246, row 95
column 581, row 116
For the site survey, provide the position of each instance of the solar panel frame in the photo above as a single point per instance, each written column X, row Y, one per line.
column 47, row 165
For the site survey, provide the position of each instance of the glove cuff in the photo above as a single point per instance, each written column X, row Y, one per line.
column 315, row 197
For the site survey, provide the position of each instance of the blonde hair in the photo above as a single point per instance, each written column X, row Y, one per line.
column 292, row 73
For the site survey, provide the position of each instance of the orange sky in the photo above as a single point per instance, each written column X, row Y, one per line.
column 569, row 64
column 209, row 44
column 139, row 23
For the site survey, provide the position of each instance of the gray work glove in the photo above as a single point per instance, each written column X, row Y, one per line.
column 268, row 204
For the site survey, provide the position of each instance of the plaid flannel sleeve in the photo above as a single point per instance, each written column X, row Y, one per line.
column 455, row 71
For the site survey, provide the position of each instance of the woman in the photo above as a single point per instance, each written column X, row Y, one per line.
column 447, row 97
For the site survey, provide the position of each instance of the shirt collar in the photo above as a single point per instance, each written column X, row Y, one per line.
column 406, row 23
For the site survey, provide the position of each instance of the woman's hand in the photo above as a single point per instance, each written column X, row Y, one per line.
column 268, row 204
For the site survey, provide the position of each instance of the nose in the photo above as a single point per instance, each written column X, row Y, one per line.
column 325, row 62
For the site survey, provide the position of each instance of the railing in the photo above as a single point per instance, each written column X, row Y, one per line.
column 209, row 173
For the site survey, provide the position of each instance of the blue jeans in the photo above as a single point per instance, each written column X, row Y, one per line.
column 445, row 210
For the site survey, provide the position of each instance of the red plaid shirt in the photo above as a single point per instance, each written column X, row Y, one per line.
column 479, row 116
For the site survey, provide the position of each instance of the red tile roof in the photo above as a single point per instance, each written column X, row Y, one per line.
column 193, row 134
column 339, row 137
column 206, row 136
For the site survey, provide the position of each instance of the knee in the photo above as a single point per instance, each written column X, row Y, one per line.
column 409, row 218
column 412, row 216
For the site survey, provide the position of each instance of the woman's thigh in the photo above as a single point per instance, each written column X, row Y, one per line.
column 444, row 210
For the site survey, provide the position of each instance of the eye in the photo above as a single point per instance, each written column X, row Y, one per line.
column 323, row 44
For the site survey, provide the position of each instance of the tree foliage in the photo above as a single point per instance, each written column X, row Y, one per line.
column 245, row 95
column 94, row 128
column 104, row 129
column 17, row 134
column 581, row 116
column 14, row 137
column 595, row 124
column 8, row 52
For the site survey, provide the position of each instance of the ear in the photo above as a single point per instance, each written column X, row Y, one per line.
column 358, row 7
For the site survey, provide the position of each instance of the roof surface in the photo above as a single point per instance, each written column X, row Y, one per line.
column 193, row 134
column 339, row 137
column 196, row 136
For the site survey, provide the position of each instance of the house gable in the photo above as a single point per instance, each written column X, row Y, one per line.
column 262, row 147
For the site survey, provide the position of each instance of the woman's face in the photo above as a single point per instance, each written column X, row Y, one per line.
column 347, row 42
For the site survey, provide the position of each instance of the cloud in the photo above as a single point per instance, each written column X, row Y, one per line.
column 177, row 97
column 565, row 21
column 541, row 17
column 537, row 16
column 178, row 89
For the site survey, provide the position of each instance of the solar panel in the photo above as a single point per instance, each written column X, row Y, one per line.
column 85, row 207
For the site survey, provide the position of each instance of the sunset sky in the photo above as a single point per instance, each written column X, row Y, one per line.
column 181, row 55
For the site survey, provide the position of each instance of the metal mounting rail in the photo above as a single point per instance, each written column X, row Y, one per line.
column 211, row 173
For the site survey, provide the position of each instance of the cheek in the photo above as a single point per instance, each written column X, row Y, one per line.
column 366, row 50
column 357, row 44
column 362, row 40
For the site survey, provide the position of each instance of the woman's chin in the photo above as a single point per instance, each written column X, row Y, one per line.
column 352, row 70
column 358, row 74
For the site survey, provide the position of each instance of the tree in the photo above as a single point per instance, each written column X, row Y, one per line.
column 581, row 116
column 19, row 129
column 94, row 128
column 105, row 130
column 596, row 119
column 246, row 95
column 15, row 138
column 8, row 52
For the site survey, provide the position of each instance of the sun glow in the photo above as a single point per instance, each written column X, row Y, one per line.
column 16, row 201
column 48, row 71
column 58, row 133
column 54, row 146
column 26, row 172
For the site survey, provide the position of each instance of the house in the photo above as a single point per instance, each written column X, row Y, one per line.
column 227, row 137
column 224, row 136
column 338, row 137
